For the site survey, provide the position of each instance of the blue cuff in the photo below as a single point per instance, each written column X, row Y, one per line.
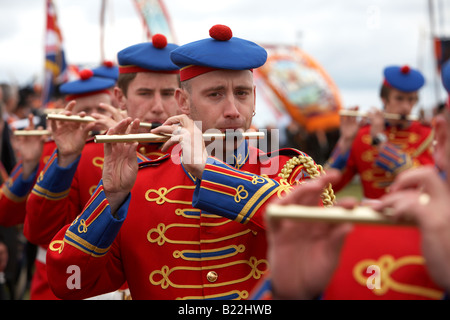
column 338, row 160
column 95, row 229
column 233, row 194
column 16, row 188
column 54, row 181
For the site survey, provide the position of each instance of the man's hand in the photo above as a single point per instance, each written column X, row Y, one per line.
column 189, row 136
column 349, row 127
column 421, row 195
column 30, row 149
column 304, row 255
column 110, row 116
column 70, row 137
column 120, row 165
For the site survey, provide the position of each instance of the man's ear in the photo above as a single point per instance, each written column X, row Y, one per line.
column 121, row 98
column 183, row 101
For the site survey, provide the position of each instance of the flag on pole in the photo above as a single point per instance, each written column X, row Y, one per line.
column 55, row 62
column 155, row 18
column 441, row 50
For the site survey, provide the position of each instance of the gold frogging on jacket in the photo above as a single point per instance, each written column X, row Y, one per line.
column 164, row 274
column 161, row 238
column 388, row 265
column 163, row 192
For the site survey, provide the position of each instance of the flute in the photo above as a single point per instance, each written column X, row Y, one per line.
column 360, row 214
column 391, row 116
column 32, row 132
column 151, row 137
column 63, row 117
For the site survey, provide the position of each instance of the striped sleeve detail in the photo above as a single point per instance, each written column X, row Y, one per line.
column 391, row 159
column 54, row 181
column 228, row 192
column 16, row 188
column 264, row 290
column 338, row 160
column 95, row 229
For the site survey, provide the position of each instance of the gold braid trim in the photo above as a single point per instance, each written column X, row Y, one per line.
column 314, row 170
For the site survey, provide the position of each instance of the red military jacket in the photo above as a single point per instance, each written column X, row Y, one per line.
column 384, row 262
column 176, row 237
column 58, row 197
column 61, row 193
column 13, row 198
column 14, row 192
column 406, row 148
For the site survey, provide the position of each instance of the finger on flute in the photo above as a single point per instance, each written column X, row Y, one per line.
column 360, row 214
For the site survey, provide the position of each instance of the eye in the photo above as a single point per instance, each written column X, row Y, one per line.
column 168, row 93
column 214, row 94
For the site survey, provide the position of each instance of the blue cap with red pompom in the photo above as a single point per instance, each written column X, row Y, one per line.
column 403, row 78
column 88, row 84
column 107, row 70
column 148, row 57
column 220, row 51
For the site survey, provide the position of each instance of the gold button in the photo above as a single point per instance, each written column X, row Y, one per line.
column 212, row 276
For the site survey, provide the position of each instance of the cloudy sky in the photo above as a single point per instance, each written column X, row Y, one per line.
column 353, row 40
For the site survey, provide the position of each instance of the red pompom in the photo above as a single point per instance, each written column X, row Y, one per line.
column 220, row 32
column 108, row 64
column 86, row 74
column 405, row 69
column 159, row 41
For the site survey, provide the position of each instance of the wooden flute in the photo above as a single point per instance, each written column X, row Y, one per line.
column 361, row 214
column 151, row 137
column 62, row 117
column 391, row 116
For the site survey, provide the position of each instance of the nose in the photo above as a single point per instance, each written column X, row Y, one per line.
column 157, row 107
column 230, row 109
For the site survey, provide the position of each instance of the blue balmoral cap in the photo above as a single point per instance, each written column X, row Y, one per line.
column 445, row 75
column 107, row 70
column 148, row 57
column 404, row 78
column 86, row 85
column 221, row 51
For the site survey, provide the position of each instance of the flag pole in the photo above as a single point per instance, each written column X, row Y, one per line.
column 433, row 39
column 102, row 30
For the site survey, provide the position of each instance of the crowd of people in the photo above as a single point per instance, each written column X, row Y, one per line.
column 185, row 217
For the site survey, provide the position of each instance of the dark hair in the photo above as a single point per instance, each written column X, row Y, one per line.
column 384, row 91
column 124, row 81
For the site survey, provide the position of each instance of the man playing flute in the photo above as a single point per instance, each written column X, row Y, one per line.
column 420, row 195
column 189, row 225
column 146, row 84
column 378, row 152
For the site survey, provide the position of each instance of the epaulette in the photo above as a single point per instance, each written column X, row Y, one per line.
column 301, row 167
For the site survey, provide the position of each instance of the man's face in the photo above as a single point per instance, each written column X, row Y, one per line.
column 150, row 97
column 222, row 99
column 400, row 102
column 90, row 105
